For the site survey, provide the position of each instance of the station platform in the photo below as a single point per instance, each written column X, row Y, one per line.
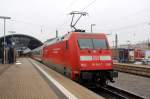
column 143, row 70
column 133, row 83
column 29, row 79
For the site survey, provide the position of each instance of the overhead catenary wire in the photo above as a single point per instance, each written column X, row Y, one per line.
column 32, row 24
column 41, row 26
column 65, row 21
column 87, row 6
column 25, row 22
column 131, row 26
column 71, row 4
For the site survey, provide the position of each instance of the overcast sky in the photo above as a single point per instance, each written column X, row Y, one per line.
column 128, row 18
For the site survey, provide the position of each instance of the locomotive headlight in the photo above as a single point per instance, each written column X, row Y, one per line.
column 98, row 64
column 85, row 58
column 83, row 65
column 108, row 64
column 93, row 64
column 105, row 57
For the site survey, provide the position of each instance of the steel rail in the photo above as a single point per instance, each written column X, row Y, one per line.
column 120, row 93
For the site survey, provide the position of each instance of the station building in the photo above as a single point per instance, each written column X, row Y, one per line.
column 16, row 45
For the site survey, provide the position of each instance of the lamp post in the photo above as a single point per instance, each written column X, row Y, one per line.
column 113, row 42
column 92, row 27
column 4, row 18
column 128, row 43
column 148, row 40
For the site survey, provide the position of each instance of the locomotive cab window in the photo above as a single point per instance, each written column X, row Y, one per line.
column 85, row 44
column 100, row 44
column 92, row 43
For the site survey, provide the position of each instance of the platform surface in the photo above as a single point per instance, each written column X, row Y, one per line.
column 133, row 83
column 133, row 65
column 23, row 81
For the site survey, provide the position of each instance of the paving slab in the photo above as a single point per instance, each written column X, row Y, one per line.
column 133, row 83
column 23, row 81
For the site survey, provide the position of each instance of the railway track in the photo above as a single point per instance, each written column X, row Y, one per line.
column 110, row 92
column 142, row 70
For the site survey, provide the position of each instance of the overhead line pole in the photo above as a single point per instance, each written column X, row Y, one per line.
column 92, row 27
column 116, row 41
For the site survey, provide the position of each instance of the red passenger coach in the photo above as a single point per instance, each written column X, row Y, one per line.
column 82, row 57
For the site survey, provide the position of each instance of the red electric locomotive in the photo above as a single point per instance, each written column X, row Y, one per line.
column 80, row 56
column 83, row 57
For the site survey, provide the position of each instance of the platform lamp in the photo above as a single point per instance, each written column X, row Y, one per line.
column 4, row 18
column 92, row 27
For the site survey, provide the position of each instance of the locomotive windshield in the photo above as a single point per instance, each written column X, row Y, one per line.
column 92, row 44
column 85, row 43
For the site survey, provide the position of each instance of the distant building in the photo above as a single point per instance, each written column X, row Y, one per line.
column 142, row 45
column 19, row 43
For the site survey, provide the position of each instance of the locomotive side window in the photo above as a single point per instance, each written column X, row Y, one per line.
column 92, row 43
column 85, row 43
column 100, row 44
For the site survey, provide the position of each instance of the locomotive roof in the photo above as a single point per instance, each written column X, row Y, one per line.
column 67, row 36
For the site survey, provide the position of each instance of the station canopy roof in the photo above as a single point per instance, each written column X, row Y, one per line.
column 21, row 42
